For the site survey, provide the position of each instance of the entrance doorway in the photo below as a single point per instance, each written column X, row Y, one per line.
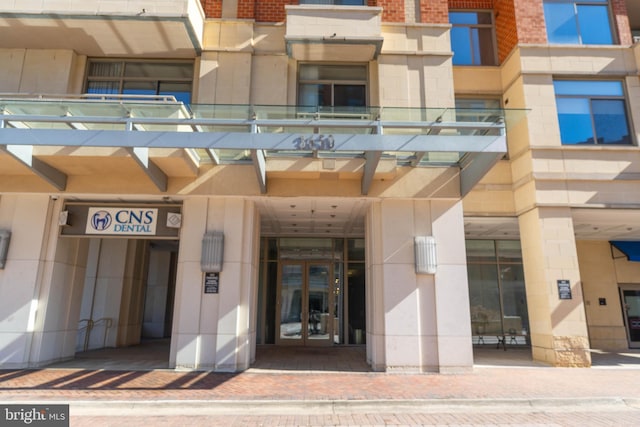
column 311, row 292
column 305, row 303
column 630, row 297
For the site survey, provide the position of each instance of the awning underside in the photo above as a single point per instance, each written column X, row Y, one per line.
column 472, row 141
column 630, row 249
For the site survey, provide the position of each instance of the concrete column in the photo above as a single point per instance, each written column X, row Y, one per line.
column 417, row 322
column 39, row 286
column 133, row 289
column 453, row 319
column 156, row 295
column 217, row 331
column 558, row 326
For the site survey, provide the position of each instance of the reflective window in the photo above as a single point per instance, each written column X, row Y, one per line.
column 141, row 78
column 591, row 112
column 332, row 85
column 578, row 21
column 472, row 38
column 497, row 297
column 336, row 2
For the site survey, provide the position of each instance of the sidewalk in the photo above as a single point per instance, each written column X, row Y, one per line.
column 613, row 384
column 614, row 380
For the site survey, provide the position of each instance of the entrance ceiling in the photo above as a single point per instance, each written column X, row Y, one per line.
column 588, row 224
column 331, row 217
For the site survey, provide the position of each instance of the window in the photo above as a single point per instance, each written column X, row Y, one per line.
column 336, row 2
column 141, row 78
column 332, row 85
column 472, row 38
column 591, row 112
column 497, row 295
column 478, row 110
column 578, row 21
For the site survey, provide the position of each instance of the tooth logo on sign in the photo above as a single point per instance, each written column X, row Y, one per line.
column 122, row 221
column 101, row 220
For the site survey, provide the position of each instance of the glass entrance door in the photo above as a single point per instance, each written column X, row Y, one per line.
column 631, row 308
column 305, row 303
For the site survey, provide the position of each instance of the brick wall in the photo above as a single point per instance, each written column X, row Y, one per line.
column 246, row 9
column 530, row 21
column 621, row 21
column 434, row 11
column 392, row 10
column 506, row 31
column 212, row 8
column 470, row 4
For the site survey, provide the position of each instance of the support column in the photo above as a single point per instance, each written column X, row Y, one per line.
column 558, row 326
column 217, row 331
column 40, row 285
column 417, row 322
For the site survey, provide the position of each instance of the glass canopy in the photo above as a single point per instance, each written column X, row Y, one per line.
column 231, row 134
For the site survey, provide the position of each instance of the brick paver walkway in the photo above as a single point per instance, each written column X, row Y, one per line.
column 483, row 383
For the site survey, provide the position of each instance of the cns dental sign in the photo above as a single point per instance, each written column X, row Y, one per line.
column 123, row 221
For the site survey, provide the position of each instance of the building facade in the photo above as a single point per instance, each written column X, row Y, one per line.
column 414, row 176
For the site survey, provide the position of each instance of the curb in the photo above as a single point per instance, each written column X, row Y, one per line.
column 338, row 407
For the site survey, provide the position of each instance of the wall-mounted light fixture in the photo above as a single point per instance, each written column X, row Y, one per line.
column 5, row 236
column 425, row 253
column 212, row 252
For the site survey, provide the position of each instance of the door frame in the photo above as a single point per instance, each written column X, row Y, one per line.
column 304, row 321
column 625, row 317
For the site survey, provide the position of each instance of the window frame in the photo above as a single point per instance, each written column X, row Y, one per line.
column 610, row 19
column 494, row 39
column 333, row 83
column 122, row 78
column 590, row 98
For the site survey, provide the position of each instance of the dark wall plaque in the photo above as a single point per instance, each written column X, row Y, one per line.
column 211, row 283
column 564, row 289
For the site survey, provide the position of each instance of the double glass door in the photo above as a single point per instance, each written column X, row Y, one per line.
column 305, row 303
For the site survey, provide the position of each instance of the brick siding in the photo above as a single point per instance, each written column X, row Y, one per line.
column 470, row 4
column 621, row 21
column 212, row 8
column 246, row 9
column 434, row 11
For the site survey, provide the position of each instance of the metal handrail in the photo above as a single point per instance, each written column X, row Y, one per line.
column 90, row 324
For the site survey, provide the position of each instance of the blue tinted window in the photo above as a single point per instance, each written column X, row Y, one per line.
column 591, row 112
column 578, row 21
column 610, row 121
column 588, row 87
column 463, row 18
column 461, row 46
column 594, row 24
column 574, row 116
column 335, row 2
column 472, row 38
column 561, row 23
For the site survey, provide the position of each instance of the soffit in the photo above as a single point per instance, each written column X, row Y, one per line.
column 331, row 217
column 588, row 224
column 119, row 36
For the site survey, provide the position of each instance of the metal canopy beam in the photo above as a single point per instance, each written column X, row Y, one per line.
column 372, row 158
column 259, row 163
column 141, row 156
column 24, row 154
column 251, row 141
column 476, row 165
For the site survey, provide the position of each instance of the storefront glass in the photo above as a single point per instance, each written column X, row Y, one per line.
column 498, row 302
